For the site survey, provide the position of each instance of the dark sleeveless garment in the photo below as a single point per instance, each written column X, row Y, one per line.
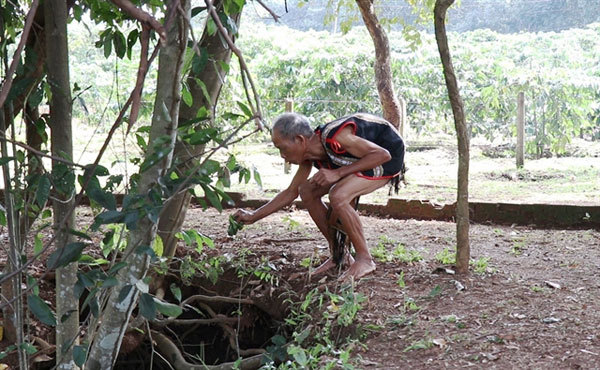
column 371, row 128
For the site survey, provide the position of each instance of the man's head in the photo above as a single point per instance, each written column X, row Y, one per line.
column 290, row 134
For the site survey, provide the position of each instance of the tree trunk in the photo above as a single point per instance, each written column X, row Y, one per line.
column 462, row 203
column 57, row 65
column 173, row 214
column 383, row 70
column 116, row 314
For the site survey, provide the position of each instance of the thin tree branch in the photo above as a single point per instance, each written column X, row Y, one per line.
column 275, row 16
column 143, row 17
column 39, row 153
column 6, row 85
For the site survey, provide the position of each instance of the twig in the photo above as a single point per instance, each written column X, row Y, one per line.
column 290, row 240
column 275, row 16
column 6, row 85
column 207, row 298
column 220, row 319
column 143, row 17
column 40, row 153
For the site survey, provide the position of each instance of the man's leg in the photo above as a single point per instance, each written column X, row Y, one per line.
column 340, row 196
column 311, row 196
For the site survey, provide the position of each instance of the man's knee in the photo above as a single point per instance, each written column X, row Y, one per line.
column 338, row 198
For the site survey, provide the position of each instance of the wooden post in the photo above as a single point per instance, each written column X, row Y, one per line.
column 289, row 107
column 520, row 128
column 403, row 118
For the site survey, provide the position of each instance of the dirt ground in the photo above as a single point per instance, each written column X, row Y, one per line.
column 532, row 301
column 537, row 305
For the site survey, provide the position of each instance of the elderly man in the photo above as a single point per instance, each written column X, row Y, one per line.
column 354, row 155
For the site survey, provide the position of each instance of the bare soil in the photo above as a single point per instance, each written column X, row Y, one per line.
column 536, row 306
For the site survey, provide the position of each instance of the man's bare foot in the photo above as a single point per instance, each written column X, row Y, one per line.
column 360, row 268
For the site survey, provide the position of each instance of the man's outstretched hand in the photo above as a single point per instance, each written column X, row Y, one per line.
column 244, row 217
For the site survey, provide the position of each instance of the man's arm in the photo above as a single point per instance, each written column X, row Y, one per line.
column 370, row 156
column 283, row 199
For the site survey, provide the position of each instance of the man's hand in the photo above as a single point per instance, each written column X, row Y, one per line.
column 325, row 177
column 244, row 217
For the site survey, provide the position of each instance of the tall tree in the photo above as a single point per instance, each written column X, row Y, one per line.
column 209, row 78
column 462, row 204
column 57, row 67
column 383, row 72
column 158, row 156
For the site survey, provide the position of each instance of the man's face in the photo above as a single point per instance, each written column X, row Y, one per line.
column 290, row 150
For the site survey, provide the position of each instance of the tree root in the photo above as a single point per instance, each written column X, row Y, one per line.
column 176, row 359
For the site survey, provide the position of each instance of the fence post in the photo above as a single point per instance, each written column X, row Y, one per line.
column 520, row 128
column 289, row 107
column 403, row 118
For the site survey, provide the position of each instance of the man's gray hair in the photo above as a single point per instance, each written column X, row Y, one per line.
column 291, row 124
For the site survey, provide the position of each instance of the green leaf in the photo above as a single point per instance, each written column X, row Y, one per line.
column 231, row 162
column 43, row 190
column 257, row 178
column 109, row 217
column 107, row 45
column 38, row 245
column 176, row 291
column 157, row 246
column 41, row 310
column 113, row 270
column 120, row 44
column 124, row 292
column 132, row 37
column 197, row 10
column 28, row 347
column 187, row 96
column 199, row 62
column 234, row 226
column 212, row 197
column 79, row 355
column 211, row 27
column 63, row 256
column 2, row 218
column 80, row 234
column 244, row 109
column 155, row 157
column 167, row 309
column 105, row 199
column 147, row 306
column 110, row 282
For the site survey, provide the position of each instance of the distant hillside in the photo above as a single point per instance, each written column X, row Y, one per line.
column 505, row 16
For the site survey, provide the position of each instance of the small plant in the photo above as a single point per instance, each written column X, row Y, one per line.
column 420, row 344
column 400, row 281
column 399, row 253
column 446, row 257
column 291, row 223
column 321, row 338
column 518, row 247
column 480, row 264
column 404, row 255
column 410, row 304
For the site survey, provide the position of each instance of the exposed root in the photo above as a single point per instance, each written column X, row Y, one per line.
column 170, row 351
